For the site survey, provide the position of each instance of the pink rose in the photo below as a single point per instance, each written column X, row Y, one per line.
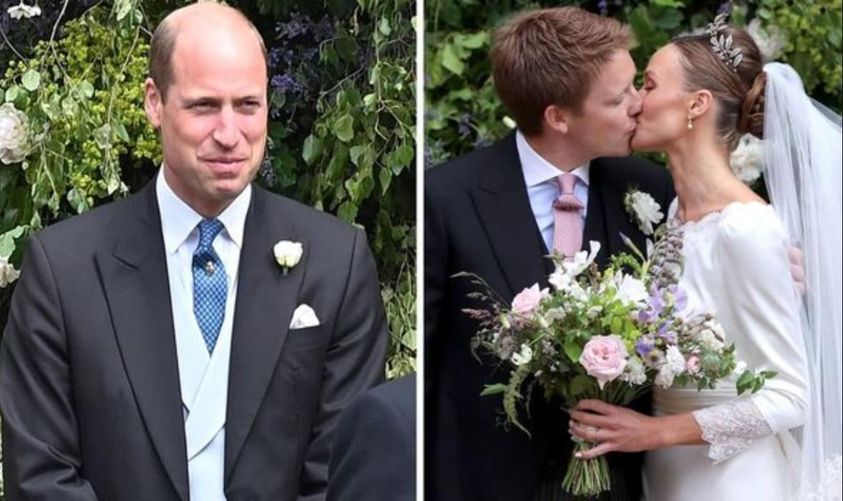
column 604, row 358
column 692, row 365
column 526, row 302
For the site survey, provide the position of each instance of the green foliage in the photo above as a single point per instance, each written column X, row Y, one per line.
column 813, row 32
column 82, row 116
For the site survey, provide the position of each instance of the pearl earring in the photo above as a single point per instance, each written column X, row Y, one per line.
column 690, row 123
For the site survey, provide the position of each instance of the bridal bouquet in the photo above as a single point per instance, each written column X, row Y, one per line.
column 609, row 335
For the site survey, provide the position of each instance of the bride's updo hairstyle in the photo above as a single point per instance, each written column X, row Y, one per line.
column 737, row 88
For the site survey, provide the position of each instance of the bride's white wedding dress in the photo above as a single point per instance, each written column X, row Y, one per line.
column 736, row 266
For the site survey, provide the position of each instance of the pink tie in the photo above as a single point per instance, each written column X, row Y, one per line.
column 567, row 222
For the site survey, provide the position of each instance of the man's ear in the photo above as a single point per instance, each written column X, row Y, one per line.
column 152, row 103
column 701, row 102
column 556, row 118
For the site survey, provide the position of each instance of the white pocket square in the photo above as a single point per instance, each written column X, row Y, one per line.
column 304, row 317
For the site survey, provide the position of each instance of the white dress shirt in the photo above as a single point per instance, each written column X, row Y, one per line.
column 542, row 187
column 203, row 377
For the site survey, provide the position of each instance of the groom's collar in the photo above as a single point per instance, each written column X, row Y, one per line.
column 536, row 169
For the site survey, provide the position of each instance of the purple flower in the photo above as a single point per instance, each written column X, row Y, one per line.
column 668, row 335
column 285, row 83
column 644, row 346
column 603, row 6
column 680, row 297
column 464, row 125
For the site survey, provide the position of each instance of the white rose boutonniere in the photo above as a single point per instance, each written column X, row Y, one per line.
column 287, row 254
column 645, row 211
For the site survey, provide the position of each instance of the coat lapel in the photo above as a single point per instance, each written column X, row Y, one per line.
column 503, row 207
column 134, row 276
column 266, row 299
column 607, row 218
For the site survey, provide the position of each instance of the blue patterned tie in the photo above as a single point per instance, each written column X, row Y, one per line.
column 210, row 285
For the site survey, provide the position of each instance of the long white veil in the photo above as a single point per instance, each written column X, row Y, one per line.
column 803, row 165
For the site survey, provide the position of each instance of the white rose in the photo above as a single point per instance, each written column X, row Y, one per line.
column 287, row 253
column 770, row 41
column 746, row 160
column 524, row 356
column 14, row 134
column 8, row 273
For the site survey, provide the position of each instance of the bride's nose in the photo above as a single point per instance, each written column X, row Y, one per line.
column 637, row 99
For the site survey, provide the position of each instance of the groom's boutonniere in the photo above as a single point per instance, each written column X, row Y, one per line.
column 287, row 254
column 643, row 209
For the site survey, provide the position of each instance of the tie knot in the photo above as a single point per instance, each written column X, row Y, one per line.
column 567, row 201
column 208, row 231
column 567, row 181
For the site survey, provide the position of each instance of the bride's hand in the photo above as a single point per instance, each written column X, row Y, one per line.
column 613, row 428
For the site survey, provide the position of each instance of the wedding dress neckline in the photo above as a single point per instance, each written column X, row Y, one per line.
column 715, row 215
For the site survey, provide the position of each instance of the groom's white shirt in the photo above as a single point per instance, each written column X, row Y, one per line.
column 203, row 377
column 542, row 187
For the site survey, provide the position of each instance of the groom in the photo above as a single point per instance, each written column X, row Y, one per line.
column 157, row 348
column 566, row 77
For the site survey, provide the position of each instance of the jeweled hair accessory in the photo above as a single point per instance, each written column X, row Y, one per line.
column 721, row 43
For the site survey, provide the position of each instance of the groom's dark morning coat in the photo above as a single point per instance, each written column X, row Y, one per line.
column 478, row 219
column 90, row 385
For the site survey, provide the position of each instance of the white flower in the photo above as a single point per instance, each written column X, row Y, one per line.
column 8, row 273
column 747, row 159
column 674, row 364
column 14, row 134
column 630, row 289
column 524, row 356
column 582, row 259
column 22, row 10
column 674, row 359
column 644, row 210
column 560, row 280
column 564, row 275
column 634, row 372
column 770, row 40
column 556, row 313
column 712, row 336
column 740, row 367
column 288, row 253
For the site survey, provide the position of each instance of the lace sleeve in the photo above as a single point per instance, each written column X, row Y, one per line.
column 731, row 427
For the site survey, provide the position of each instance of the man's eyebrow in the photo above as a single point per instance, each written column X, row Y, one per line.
column 190, row 101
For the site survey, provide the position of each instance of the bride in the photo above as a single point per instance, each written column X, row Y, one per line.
column 701, row 94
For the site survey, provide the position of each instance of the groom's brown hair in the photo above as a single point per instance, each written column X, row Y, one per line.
column 550, row 57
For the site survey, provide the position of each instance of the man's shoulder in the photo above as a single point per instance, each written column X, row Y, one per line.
column 464, row 170
column 399, row 394
column 87, row 229
column 303, row 217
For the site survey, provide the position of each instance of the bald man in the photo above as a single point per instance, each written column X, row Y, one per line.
column 165, row 347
